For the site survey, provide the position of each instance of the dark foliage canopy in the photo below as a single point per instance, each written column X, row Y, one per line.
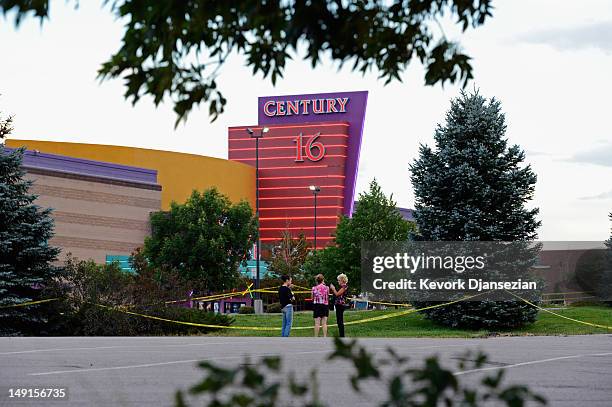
column 204, row 239
column 176, row 49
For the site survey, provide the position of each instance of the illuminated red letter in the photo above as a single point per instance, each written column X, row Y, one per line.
column 298, row 149
column 312, row 145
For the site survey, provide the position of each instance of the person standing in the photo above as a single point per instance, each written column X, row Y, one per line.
column 320, row 305
column 341, row 301
column 286, row 298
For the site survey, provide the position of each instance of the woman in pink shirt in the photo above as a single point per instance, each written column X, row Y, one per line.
column 320, row 304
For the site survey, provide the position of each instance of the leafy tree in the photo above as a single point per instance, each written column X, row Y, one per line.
column 25, row 255
column 428, row 385
column 177, row 49
column 289, row 255
column 472, row 187
column 204, row 239
column 376, row 218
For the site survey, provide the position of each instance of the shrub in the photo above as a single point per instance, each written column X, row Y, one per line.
column 92, row 320
column 246, row 310
column 273, row 308
column 87, row 286
column 481, row 314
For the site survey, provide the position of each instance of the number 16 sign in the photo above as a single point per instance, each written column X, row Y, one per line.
column 315, row 150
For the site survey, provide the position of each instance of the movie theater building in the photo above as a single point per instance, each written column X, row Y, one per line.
column 307, row 142
column 102, row 195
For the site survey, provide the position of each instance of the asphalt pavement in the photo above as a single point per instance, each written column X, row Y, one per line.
column 147, row 371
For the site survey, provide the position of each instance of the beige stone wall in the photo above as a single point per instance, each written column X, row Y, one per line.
column 95, row 217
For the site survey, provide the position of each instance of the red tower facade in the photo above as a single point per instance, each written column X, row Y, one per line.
column 311, row 140
column 292, row 158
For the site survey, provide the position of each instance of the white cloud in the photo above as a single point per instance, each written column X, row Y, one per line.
column 595, row 35
column 599, row 155
column 603, row 195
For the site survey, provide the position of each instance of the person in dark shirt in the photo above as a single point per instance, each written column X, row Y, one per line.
column 286, row 299
column 341, row 301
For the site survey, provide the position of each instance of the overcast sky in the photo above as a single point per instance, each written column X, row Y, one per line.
column 549, row 62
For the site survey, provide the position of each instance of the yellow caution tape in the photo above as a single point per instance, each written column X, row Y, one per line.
column 559, row 315
column 568, row 293
column 259, row 328
column 216, row 296
column 25, row 304
column 183, row 322
column 276, row 292
column 249, row 290
column 355, row 299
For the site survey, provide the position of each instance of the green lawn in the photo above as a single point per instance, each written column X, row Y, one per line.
column 414, row 325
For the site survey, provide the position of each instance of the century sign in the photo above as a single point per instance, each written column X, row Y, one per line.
column 291, row 111
column 273, row 108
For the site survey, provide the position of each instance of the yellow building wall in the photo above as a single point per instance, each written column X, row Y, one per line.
column 178, row 173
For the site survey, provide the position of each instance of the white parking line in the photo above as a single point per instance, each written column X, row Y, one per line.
column 101, row 369
column 532, row 362
column 118, row 347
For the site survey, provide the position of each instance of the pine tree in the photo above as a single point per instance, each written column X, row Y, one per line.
column 25, row 255
column 607, row 279
column 609, row 241
column 472, row 187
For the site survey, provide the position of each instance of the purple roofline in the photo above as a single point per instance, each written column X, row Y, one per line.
column 36, row 159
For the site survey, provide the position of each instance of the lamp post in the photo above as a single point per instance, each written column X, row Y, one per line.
column 315, row 190
column 257, row 136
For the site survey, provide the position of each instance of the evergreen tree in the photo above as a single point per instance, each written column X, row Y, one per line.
column 607, row 279
column 376, row 218
column 25, row 255
column 472, row 187
column 609, row 241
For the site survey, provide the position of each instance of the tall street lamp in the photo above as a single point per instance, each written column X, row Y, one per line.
column 315, row 190
column 257, row 136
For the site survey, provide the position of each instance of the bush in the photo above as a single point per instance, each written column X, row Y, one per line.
column 87, row 287
column 246, row 310
column 92, row 320
column 481, row 314
column 274, row 308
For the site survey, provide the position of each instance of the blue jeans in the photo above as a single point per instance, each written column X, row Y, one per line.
column 287, row 319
